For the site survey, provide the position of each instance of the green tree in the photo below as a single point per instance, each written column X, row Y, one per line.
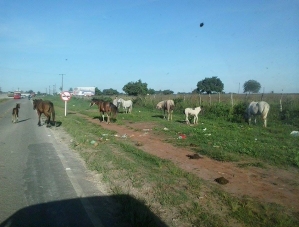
column 252, row 86
column 110, row 91
column 167, row 92
column 210, row 85
column 136, row 88
column 97, row 91
column 151, row 91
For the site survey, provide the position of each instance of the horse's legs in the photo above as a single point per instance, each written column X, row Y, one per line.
column 195, row 119
column 48, row 116
column 39, row 124
column 17, row 116
column 108, row 118
column 265, row 122
column 187, row 119
column 48, row 122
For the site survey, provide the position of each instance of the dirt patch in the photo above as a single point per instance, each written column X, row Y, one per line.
column 270, row 185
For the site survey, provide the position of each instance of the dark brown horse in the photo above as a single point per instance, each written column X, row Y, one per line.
column 44, row 107
column 15, row 113
column 105, row 107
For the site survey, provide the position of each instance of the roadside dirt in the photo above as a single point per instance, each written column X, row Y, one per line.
column 270, row 185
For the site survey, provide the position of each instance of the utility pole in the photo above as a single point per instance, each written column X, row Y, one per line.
column 61, row 82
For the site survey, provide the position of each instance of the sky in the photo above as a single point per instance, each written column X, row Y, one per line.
column 107, row 44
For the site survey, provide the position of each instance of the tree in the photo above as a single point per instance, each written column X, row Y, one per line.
column 151, row 91
column 252, row 86
column 97, row 91
column 210, row 85
column 167, row 92
column 110, row 91
column 136, row 88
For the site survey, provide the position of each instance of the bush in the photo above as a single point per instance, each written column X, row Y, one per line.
column 236, row 113
column 219, row 110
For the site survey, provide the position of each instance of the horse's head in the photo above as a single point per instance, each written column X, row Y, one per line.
column 246, row 116
column 159, row 106
column 18, row 105
column 119, row 102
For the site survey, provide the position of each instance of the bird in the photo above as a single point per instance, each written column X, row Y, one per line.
column 201, row 24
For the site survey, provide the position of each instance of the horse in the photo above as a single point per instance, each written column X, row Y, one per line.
column 192, row 112
column 257, row 108
column 126, row 104
column 115, row 101
column 44, row 107
column 15, row 113
column 105, row 107
column 166, row 105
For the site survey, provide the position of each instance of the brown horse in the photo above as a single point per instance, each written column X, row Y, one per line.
column 105, row 107
column 15, row 113
column 44, row 107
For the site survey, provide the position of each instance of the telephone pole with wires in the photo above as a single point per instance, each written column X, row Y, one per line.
column 61, row 82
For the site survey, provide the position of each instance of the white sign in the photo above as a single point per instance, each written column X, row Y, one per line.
column 65, row 96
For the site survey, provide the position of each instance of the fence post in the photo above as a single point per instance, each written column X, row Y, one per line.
column 218, row 97
column 232, row 100
column 199, row 99
column 210, row 99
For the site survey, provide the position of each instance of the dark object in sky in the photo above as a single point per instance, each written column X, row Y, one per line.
column 201, row 24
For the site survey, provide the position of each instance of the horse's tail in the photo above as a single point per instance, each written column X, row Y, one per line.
column 53, row 113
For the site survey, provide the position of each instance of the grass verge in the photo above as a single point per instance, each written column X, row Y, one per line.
column 178, row 198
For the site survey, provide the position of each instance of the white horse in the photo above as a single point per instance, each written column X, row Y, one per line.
column 126, row 104
column 257, row 108
column 192, row 112
column 115, row 101
column 166, row 105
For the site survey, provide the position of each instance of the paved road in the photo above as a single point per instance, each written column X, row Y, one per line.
column 42, row 182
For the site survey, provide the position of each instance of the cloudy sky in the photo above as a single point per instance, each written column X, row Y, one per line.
column 108, row 44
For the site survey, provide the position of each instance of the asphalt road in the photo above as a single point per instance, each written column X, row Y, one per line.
column 43, row 182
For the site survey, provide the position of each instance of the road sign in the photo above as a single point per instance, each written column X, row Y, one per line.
column 65, row 96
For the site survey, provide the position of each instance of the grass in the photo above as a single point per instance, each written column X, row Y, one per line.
column 177, row 197
column 4, row 100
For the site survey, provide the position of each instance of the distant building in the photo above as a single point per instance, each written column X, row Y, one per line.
column 84, row 91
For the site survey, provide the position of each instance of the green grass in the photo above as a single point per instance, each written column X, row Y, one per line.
column 216, row 138
column 177, row 197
